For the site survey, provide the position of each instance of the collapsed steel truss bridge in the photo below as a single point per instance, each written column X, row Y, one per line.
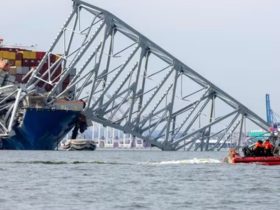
column 132, row 84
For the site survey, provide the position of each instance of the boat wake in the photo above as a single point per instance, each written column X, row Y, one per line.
column 168, row 162
column 188, row 161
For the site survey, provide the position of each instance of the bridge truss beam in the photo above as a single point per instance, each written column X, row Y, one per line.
column 132, row 84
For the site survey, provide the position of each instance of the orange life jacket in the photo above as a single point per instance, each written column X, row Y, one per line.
column 268, row 145
column 258, row 145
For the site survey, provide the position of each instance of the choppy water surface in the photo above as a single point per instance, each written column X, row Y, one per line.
column 133, row 180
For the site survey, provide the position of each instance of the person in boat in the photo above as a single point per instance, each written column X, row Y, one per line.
column 247, row 151
column 268, row 148
column 258, row 149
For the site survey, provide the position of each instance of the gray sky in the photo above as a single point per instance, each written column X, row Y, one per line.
column 233, row 43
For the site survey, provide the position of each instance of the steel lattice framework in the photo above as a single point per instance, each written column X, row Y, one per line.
column 132, row 84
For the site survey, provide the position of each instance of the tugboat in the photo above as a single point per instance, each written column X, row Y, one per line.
column 78, row 144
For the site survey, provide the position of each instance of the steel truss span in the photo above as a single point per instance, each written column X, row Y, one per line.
column 132, row 84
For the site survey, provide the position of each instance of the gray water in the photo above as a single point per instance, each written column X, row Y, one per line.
column 133, row 180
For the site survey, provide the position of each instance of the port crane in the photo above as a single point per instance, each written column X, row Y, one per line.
column 272, row 117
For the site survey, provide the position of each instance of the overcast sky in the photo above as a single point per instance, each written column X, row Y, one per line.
column 233, row 43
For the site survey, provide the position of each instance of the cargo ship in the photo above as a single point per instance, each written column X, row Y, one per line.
column 39, row 125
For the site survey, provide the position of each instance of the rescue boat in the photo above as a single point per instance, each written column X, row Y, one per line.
column 234, row 157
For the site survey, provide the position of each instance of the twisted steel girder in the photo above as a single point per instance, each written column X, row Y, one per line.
column 132, row 84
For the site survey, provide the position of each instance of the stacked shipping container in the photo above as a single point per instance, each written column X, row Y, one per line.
column 21, row 61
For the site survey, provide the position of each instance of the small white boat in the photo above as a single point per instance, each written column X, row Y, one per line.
column 78, row 144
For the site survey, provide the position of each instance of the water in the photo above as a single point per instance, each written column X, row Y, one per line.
column 133, row 180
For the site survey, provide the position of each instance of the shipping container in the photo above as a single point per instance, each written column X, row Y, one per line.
column 25, row 62
column 22, row 62
column 57, row 57
column 19, row 55
column 52, row 58
column 33, row 62
column 18, row 63
column 8, row 55
column 19, row 78
column 22, row 70
column 56, row 73
column 29, row 55
column 30, row 62
column 40, row 55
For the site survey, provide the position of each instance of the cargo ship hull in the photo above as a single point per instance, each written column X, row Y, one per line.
column 41, row 129
column 38, row 125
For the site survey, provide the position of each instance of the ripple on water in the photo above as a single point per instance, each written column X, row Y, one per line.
column 64, row 162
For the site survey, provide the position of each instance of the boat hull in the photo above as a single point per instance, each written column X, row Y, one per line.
column 234, row 157
column 78, row 145
column 275, row 160
column 41, row 129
